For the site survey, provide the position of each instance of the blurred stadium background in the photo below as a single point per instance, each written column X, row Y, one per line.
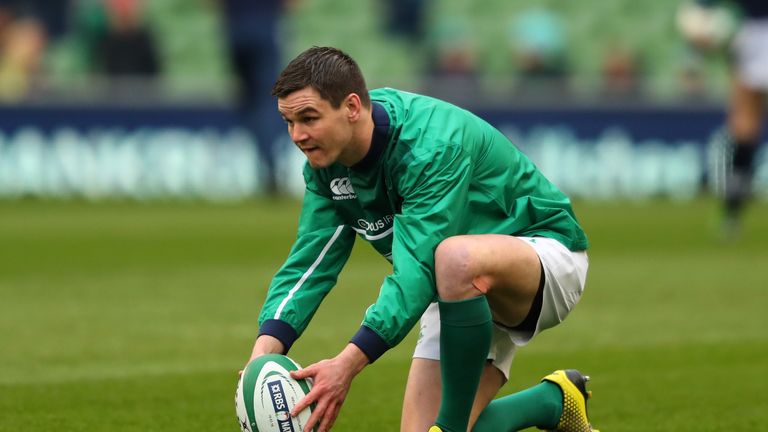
column 189, row 39
column 136, row 237
column 593, row 87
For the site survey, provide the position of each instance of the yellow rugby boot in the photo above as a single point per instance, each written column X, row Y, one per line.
column 573, row 385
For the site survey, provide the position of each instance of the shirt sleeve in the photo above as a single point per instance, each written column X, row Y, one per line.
column 322, row 247
column 434, row 187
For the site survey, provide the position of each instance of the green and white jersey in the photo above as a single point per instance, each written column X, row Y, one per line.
column 433, row 171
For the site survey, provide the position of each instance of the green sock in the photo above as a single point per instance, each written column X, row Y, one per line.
column 465, row 337
column 540, row 405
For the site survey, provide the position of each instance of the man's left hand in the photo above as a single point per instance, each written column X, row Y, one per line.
column 332, row 379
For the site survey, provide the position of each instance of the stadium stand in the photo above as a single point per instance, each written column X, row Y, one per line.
column 190, row 43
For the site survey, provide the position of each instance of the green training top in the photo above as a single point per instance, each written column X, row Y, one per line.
column 433, row 171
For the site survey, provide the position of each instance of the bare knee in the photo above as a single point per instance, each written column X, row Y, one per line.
column 453, row 255
column 454, row 269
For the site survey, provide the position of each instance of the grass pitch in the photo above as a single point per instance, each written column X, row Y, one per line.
column 136, row 317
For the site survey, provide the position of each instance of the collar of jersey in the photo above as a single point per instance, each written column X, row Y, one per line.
column 379, row 138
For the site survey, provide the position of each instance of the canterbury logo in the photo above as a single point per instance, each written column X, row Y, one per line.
column 342, row 189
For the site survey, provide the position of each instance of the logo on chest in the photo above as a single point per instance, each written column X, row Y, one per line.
column 342, row 189
column 378, row 225
column 375, row 230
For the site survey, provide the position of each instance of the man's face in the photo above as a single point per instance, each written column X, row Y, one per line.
column 321, row 132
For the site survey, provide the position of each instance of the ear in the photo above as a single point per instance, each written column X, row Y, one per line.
column 354, row 107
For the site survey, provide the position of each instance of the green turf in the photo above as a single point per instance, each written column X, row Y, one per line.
column 136, row 317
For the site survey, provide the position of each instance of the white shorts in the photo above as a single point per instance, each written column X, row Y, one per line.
column 565, row 273
column 750, row 49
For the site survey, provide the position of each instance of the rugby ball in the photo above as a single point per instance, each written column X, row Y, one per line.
column 266, row 394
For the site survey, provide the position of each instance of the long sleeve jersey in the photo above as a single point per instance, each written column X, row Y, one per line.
column 433, row 171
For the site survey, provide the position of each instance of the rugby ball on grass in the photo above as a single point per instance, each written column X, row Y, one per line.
column 266, row 394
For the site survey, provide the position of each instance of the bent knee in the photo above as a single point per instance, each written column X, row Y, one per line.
column 454, row 267
column 454, row 254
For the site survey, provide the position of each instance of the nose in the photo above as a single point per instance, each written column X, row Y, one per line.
column 298, row 134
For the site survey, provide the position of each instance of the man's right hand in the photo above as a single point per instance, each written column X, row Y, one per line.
column 265, row 344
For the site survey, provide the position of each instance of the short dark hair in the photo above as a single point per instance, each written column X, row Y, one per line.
column 330, row 71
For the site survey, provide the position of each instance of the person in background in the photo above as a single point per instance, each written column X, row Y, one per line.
column 705, row 24
column 127, row 49
column 537, row 42
column 452, row 66
column 621, row 73
column 254, row 51
column 405, row 18
column 26, row 28
column 116, row 47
